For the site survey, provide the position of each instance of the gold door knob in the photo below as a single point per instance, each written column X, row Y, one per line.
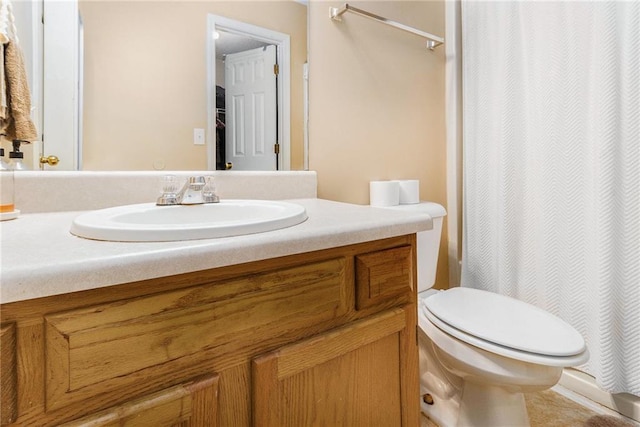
column 51, row 160
column 228, row 165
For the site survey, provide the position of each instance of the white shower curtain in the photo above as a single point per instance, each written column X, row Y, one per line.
column 552, row 167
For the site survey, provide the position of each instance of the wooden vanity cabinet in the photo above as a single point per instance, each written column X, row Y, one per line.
column 321, row 338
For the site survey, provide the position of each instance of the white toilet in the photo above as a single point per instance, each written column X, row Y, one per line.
column 479, row 351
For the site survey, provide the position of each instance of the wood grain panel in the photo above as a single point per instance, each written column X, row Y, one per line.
column 192, row 404
column 410, row 369
column 382, row 275
column 359, row 388
column 314, row 351
column 100, row 345
column 30, row 372
column 266, row 391
column 9, row 393
column 349, row 376
column 235, row 396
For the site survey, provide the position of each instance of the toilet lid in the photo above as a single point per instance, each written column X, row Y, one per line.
column 505, row 321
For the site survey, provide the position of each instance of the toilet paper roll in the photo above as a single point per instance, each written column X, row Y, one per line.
column 409, row 191
column 384, row 193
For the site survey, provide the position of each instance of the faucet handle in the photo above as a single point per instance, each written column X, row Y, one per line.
column 169, row 189
column 209, row 191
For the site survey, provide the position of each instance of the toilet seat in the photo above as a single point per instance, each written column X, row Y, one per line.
column 504, row 326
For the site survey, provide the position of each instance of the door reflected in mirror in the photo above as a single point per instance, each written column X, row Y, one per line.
column 151, row 79
column 252, row 95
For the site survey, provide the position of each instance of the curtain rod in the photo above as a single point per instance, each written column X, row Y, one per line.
column 432, row 41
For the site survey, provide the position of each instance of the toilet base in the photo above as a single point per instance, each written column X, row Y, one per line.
column 472, row 387
column 479, row 406
column 491, row 406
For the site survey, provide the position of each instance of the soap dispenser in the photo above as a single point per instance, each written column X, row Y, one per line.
column 3, row 163
column 17, row 157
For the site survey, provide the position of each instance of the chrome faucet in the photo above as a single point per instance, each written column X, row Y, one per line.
column 197, row 190
column 191, row 193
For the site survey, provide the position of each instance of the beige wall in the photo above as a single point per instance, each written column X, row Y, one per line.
column 145, row 80
column 377, row 107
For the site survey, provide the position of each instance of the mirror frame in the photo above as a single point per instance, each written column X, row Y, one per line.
column 283, row 46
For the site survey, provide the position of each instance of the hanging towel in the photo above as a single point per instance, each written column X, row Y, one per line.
column 4, row 106
column 19, row 124
column 7, row 29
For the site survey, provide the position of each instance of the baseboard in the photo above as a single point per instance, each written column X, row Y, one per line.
column 584, row 384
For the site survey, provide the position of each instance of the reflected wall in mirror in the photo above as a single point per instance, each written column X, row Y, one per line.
column 144, row 81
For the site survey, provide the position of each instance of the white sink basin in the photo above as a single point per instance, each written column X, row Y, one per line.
column 150, row 223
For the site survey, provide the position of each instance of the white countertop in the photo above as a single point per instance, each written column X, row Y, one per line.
column 40, row 257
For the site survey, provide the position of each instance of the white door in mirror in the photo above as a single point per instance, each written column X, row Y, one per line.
column 250, row 100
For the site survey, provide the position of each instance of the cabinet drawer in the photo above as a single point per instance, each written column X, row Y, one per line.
column 124, row 346
column 384, row 275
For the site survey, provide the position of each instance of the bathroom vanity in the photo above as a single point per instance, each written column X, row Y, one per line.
column 310, row 325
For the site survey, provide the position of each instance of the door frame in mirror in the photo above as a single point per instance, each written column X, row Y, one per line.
column 60, row 49
column 283, row 46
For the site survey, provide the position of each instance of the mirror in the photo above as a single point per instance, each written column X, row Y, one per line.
column 146, row 84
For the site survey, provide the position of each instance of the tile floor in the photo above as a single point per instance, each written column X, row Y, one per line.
column 550, row 409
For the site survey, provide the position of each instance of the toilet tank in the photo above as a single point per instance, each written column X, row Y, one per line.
column 428, row 242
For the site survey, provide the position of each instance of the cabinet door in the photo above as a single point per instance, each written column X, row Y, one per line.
column 192, row 404
column 351, row 376
column 8, row 386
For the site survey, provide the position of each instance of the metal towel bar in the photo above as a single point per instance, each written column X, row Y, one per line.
column 432, row 41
